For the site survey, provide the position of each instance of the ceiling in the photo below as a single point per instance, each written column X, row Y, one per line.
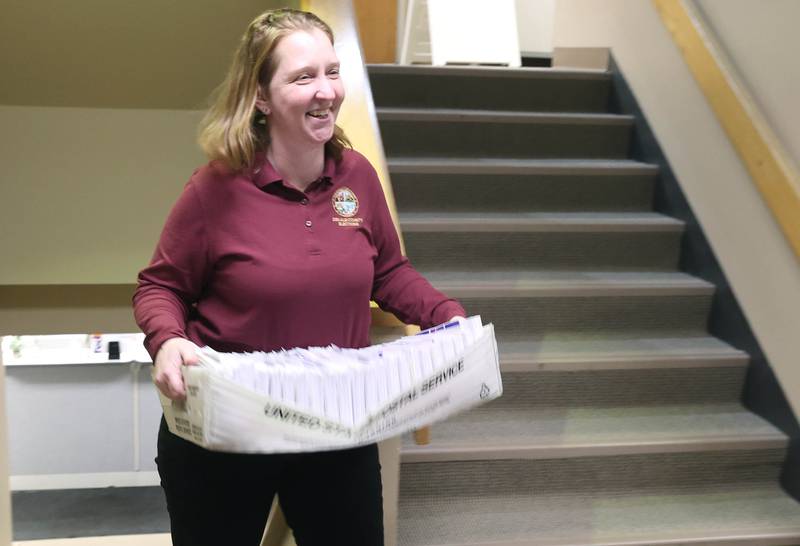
column 161, row 54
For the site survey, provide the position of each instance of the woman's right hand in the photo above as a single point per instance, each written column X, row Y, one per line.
column 173, row 354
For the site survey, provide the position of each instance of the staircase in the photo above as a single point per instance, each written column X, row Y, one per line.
column 621, row 421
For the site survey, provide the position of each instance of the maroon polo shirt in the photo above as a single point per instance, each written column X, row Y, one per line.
column 246, row 262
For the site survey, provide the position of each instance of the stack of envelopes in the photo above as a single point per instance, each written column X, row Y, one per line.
column 332, row 398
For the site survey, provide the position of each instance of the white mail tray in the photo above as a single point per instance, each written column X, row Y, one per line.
column 429, row 379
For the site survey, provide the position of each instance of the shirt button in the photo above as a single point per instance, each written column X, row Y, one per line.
column 304, row 202
column 308, row 223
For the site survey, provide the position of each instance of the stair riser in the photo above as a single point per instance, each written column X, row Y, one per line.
column 490, row 93
column 642, row 251
column 518, row 193
column 618, row 388
column 605, row 476
column 537, row 317
column 504, row 140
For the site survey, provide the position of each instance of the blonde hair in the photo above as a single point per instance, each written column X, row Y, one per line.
column 234, row 130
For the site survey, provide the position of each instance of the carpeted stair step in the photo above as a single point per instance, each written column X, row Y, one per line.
column 578, row 500
column 620, row 424
column 618, row 393
column 410, row 132
column 634, row 241
column 538, row 391
column 498, row 431
column 518, row 354
column 443, row 185
column 481, row 88
column 544, row 305
column 518, row 509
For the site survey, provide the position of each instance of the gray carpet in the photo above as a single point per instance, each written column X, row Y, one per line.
column 68, row 513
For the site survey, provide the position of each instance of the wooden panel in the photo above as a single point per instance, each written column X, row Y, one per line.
column 377, row 27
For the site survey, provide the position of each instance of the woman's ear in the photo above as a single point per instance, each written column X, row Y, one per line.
column 262, row 106
column 261, row 103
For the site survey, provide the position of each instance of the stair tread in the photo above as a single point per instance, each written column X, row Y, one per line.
column 500, row 116
column 517, row 353
column 497, row 428
column 461, row 283
column 521, row 72
column 753, row 512
column 535, row 221
column 575, row 352
column 505, row 165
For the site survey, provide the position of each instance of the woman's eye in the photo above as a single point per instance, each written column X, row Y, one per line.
column 333, row 72
column 303, row 77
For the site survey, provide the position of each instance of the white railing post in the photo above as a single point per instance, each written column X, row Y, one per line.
column 5, row 494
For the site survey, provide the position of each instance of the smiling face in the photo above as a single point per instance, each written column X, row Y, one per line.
column 305, row 92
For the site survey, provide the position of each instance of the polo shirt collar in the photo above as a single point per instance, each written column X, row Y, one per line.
column 265, row 174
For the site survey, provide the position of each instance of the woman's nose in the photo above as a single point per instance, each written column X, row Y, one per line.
column 325, row 90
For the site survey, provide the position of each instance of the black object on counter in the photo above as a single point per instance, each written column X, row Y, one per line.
column 113, row 350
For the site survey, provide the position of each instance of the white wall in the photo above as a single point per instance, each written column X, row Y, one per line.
column 761, row 41
column 535, row 23
column 763, row 271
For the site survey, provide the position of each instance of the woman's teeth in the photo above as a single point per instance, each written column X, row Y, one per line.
column 318, row 114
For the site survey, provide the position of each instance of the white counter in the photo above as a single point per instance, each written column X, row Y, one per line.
column 70, row 349
column 75, row 418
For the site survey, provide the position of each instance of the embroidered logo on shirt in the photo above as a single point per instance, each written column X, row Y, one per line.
column 345, row 202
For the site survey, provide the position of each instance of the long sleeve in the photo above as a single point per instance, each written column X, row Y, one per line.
column 398, row 287
column 174, row 280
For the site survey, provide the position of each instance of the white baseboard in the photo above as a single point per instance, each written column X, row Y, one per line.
column 84, row 481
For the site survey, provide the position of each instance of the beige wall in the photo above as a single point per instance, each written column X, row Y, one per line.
column 97, row 128
column 100, row 54
column 761, row 43
column 86, row 190
column 763, row 271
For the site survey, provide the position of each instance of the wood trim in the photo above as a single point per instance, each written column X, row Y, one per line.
column 755, row 142
column 377, row 26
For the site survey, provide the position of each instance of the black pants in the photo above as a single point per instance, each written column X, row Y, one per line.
column 328, row 498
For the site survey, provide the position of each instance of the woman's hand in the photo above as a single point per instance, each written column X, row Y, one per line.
column 173, row 354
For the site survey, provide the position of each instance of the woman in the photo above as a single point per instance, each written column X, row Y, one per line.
column 279, row 241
